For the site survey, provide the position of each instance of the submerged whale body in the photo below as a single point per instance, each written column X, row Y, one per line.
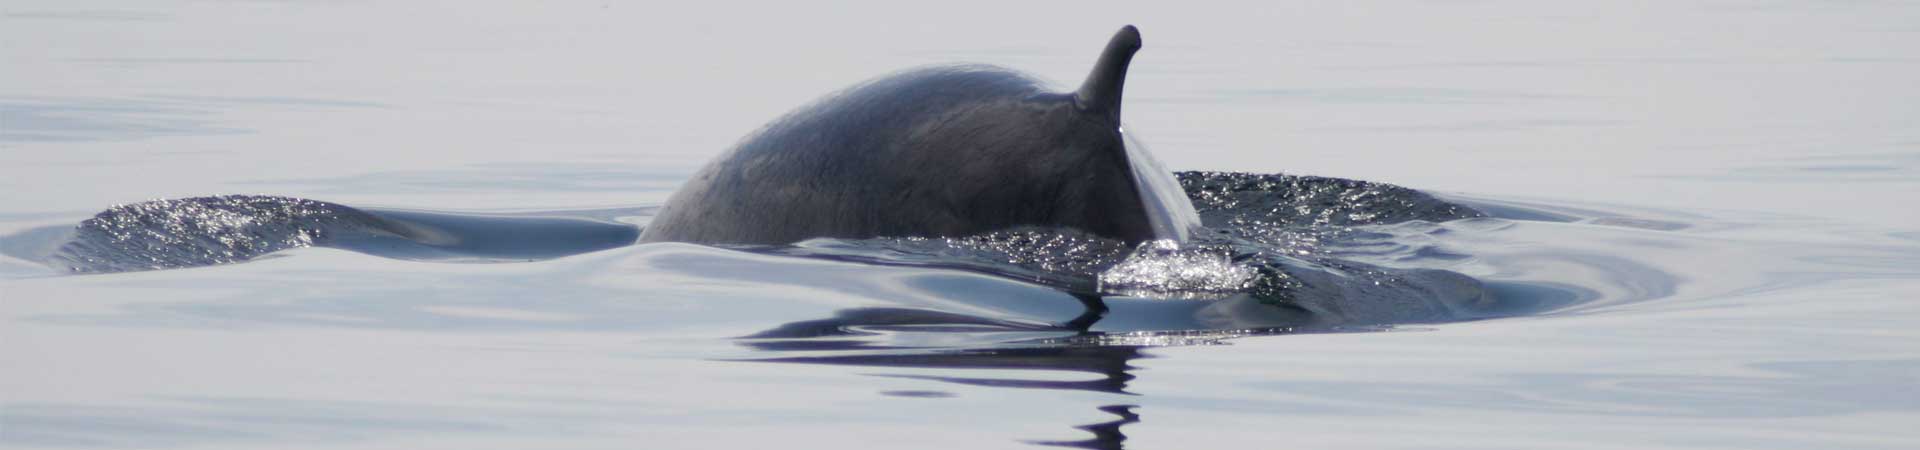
column 205, row 231
column 941, row 151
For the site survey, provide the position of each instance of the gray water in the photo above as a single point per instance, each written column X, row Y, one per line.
column 1698, row 213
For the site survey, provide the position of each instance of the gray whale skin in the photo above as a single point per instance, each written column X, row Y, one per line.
column 938, row 151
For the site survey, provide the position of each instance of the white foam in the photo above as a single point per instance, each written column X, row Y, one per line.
column 1164, row 269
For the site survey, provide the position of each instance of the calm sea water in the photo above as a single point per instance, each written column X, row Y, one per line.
column 1708, row 204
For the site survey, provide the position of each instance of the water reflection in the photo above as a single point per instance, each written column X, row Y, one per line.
column 995, row 353
column 976, row 351
column 1106, row 435
column 1110, row 363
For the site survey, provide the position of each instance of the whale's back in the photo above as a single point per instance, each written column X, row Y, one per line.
column 943, row 151
column 939, row 151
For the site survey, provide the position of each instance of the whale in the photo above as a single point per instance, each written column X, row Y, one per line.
column 986, row 156
column 941, row 151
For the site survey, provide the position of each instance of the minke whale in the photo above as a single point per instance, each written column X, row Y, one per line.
column 950, row 151
column 1015, row 175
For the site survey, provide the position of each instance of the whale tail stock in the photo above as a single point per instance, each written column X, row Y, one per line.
column 1101, row 92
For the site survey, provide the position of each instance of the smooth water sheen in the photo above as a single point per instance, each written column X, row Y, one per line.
column 1168, row 210
column 1636, row 225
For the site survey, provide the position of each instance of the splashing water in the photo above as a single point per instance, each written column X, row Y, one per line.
column 1163, row 269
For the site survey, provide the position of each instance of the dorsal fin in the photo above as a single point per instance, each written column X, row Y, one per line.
column 1101, row 91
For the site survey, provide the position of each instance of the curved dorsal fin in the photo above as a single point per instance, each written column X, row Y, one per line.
column 1101, row 91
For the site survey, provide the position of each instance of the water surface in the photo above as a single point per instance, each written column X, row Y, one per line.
column 1695, row 209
